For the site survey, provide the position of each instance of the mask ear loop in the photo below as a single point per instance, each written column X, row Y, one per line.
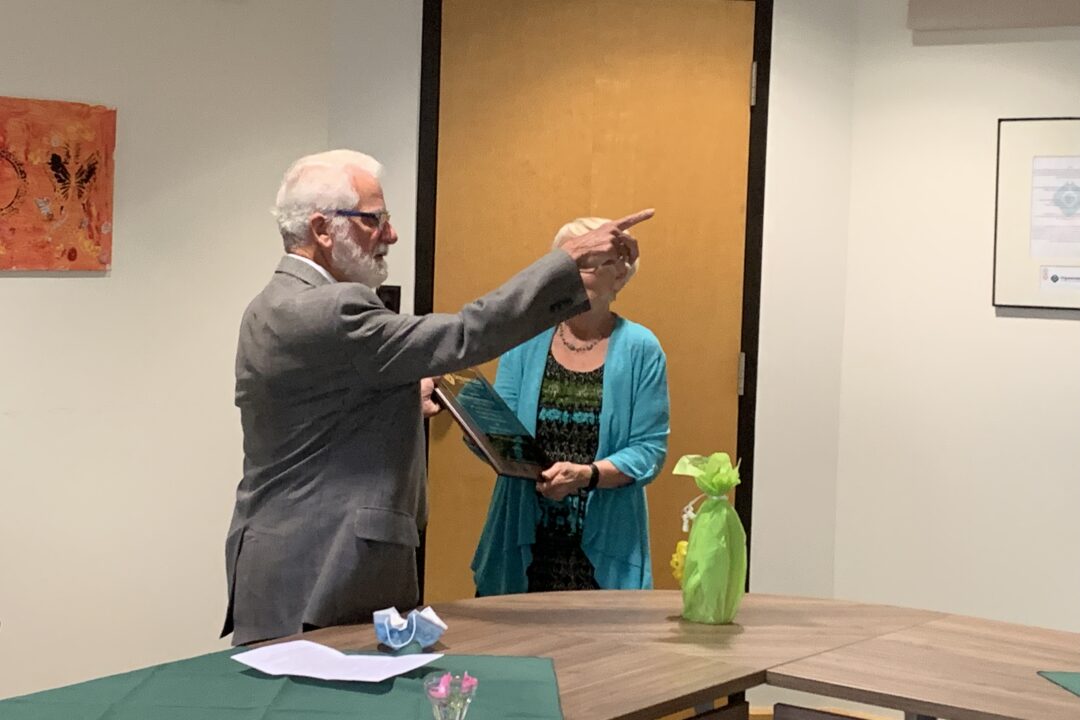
column 421, row 619
column 394, row 644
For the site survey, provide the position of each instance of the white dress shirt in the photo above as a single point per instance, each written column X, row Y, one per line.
column 312, row 263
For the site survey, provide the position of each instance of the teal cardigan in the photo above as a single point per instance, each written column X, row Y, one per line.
column 634, row 426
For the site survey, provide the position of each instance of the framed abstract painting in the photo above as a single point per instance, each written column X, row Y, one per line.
column 56, row 185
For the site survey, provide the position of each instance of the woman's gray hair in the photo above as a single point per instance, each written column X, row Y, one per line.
column 582, row 225
column 315, row 183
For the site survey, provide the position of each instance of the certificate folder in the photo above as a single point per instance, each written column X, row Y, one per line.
column 490, row 424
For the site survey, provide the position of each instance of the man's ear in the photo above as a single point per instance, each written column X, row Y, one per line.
column 320, row 229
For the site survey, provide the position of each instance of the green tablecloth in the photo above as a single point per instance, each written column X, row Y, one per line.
column 213, row 687
column 1068, row 680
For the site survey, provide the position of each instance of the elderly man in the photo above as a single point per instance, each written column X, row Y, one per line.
column 328, row 382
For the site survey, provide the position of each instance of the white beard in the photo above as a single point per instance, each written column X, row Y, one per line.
column 353, row 263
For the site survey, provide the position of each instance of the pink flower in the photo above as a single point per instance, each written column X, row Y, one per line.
column 442, row 690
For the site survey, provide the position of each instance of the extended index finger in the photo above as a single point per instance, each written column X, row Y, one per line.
column 631, row 220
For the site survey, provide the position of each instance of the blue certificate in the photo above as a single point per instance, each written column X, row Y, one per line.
column 490, row 424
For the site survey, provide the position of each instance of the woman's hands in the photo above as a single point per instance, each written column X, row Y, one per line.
column 562, row 479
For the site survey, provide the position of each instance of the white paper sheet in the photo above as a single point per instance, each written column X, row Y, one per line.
column 1055, row 207
column 304, row 658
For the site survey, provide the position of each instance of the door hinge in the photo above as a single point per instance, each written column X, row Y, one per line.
column 742, row 373
column 753, row 83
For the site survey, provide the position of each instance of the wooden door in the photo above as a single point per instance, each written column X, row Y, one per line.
column 556, row 109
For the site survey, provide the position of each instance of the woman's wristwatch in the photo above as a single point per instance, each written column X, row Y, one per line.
column 594, row 478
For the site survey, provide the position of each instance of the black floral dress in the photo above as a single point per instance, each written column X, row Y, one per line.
column 568, row 428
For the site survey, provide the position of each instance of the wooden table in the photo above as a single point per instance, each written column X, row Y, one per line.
column 628, row 654
column 955, row 667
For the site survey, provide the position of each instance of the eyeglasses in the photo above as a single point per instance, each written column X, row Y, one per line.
column 616, row 265
column 380, row 217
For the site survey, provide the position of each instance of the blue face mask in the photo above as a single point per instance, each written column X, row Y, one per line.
column 423, row 627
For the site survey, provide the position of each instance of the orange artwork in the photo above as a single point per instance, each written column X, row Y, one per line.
column 56, row 185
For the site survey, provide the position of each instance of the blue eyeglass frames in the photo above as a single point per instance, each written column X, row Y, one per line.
column 380, row 218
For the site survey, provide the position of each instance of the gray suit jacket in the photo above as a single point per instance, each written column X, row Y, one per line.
column 335, row 489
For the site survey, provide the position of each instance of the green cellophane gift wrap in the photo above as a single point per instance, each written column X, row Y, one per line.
column 714, row 571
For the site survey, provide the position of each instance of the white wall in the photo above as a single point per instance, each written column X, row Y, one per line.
column 943, row 434
column 950, row 430
column 119, row 444
column 958, row 483
column 807, row 184
column 804, row 262
column 374, row 107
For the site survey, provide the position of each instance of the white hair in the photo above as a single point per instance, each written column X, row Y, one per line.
column 314, row 183
column 582, row 225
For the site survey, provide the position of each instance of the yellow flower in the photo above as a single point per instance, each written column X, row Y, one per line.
column 678, row 560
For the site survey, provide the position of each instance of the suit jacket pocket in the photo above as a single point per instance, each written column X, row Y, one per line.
column 385, row 525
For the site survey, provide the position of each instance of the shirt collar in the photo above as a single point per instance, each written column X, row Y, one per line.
column 322, row 271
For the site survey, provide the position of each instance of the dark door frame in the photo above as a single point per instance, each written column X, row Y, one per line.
column 427, row 174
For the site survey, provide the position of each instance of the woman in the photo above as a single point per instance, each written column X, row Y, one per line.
column 593, row 391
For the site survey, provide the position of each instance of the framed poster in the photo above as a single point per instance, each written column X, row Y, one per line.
column 56, row 185
column 1037, row 218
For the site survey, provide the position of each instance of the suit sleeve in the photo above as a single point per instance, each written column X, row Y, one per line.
column 391, row 349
